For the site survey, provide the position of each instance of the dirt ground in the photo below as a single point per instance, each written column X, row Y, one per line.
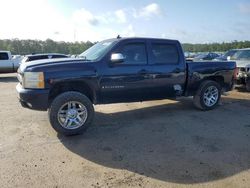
column 151, row 144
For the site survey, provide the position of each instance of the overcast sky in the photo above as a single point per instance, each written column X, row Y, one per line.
column 194, row 21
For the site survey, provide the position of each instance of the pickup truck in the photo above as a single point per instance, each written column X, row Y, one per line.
column 7, row 63
column 119, row 70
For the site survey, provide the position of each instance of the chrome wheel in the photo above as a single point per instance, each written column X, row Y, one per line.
column 72, row 115
column 211, row 96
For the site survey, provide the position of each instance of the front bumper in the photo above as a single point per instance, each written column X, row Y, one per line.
column 242, row 75
column 35, row 99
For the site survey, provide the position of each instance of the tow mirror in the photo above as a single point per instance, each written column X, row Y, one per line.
column 228, row 58
column 117, row 58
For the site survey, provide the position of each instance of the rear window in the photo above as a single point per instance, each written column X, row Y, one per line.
column 4, row 56
column 165, row 53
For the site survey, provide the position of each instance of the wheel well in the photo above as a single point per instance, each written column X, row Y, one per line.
column 81, row 87
column 218, row 79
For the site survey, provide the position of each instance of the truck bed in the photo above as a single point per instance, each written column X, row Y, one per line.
column 222, row 71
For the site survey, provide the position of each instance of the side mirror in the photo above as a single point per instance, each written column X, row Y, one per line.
column 117, row 58
column 228, row 58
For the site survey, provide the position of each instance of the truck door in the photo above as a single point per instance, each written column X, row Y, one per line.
column 167, row 68
column 128, row 80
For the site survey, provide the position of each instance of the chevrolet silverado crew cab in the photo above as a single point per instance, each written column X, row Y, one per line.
column 119, row 70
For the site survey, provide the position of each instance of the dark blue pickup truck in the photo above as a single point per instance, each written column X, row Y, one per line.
column 119, row 70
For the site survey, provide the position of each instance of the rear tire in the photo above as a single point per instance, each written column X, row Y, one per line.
column 207, row 96
column 71, row 113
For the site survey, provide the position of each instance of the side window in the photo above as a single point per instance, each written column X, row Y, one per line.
column 134, row 53
column 245, row 54
column 4, row 56
column 164, row 53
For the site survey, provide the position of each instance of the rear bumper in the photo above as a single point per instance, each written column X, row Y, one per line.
column 33, row 99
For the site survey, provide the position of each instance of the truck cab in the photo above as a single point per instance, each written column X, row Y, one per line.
column 146, row 70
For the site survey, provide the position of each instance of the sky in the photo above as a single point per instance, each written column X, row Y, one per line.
column 192, row 21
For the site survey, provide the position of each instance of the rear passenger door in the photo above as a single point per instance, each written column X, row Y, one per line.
column 168, row 68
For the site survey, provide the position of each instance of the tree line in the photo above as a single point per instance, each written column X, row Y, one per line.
column 23, row 47
column 215, row 47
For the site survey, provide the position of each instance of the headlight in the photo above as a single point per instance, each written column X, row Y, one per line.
column 33, row 80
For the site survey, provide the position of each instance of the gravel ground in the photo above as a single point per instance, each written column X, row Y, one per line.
column 151, row 144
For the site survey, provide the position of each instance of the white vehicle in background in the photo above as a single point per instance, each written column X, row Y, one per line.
column 242, row 59
column 7, row 63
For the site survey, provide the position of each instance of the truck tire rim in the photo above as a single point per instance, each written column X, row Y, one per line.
column 72, row 115
column 211, row 96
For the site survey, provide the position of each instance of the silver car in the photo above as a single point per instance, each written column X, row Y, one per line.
column 242, row 58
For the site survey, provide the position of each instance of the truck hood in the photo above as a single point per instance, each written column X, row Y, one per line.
column 36, row 63
column 242, row 63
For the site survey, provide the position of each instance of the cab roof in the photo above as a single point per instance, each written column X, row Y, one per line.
column 140, row 38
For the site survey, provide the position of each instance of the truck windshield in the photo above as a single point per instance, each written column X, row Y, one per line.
column 229, row 53
column 241, row 55
column 98, row 50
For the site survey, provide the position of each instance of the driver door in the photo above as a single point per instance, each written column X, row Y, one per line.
column 128, row 80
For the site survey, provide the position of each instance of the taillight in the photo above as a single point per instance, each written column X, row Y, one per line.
column 236, row 72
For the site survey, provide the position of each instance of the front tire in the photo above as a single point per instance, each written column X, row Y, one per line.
column 208, row 95
column 71, row 113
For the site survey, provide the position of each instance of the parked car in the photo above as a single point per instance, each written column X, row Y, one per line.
column 34, row 57
column 206, row 56
column 7, row 63
column 242, row 58
column 190, row 56
column 119, row 70
column 227, row 55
